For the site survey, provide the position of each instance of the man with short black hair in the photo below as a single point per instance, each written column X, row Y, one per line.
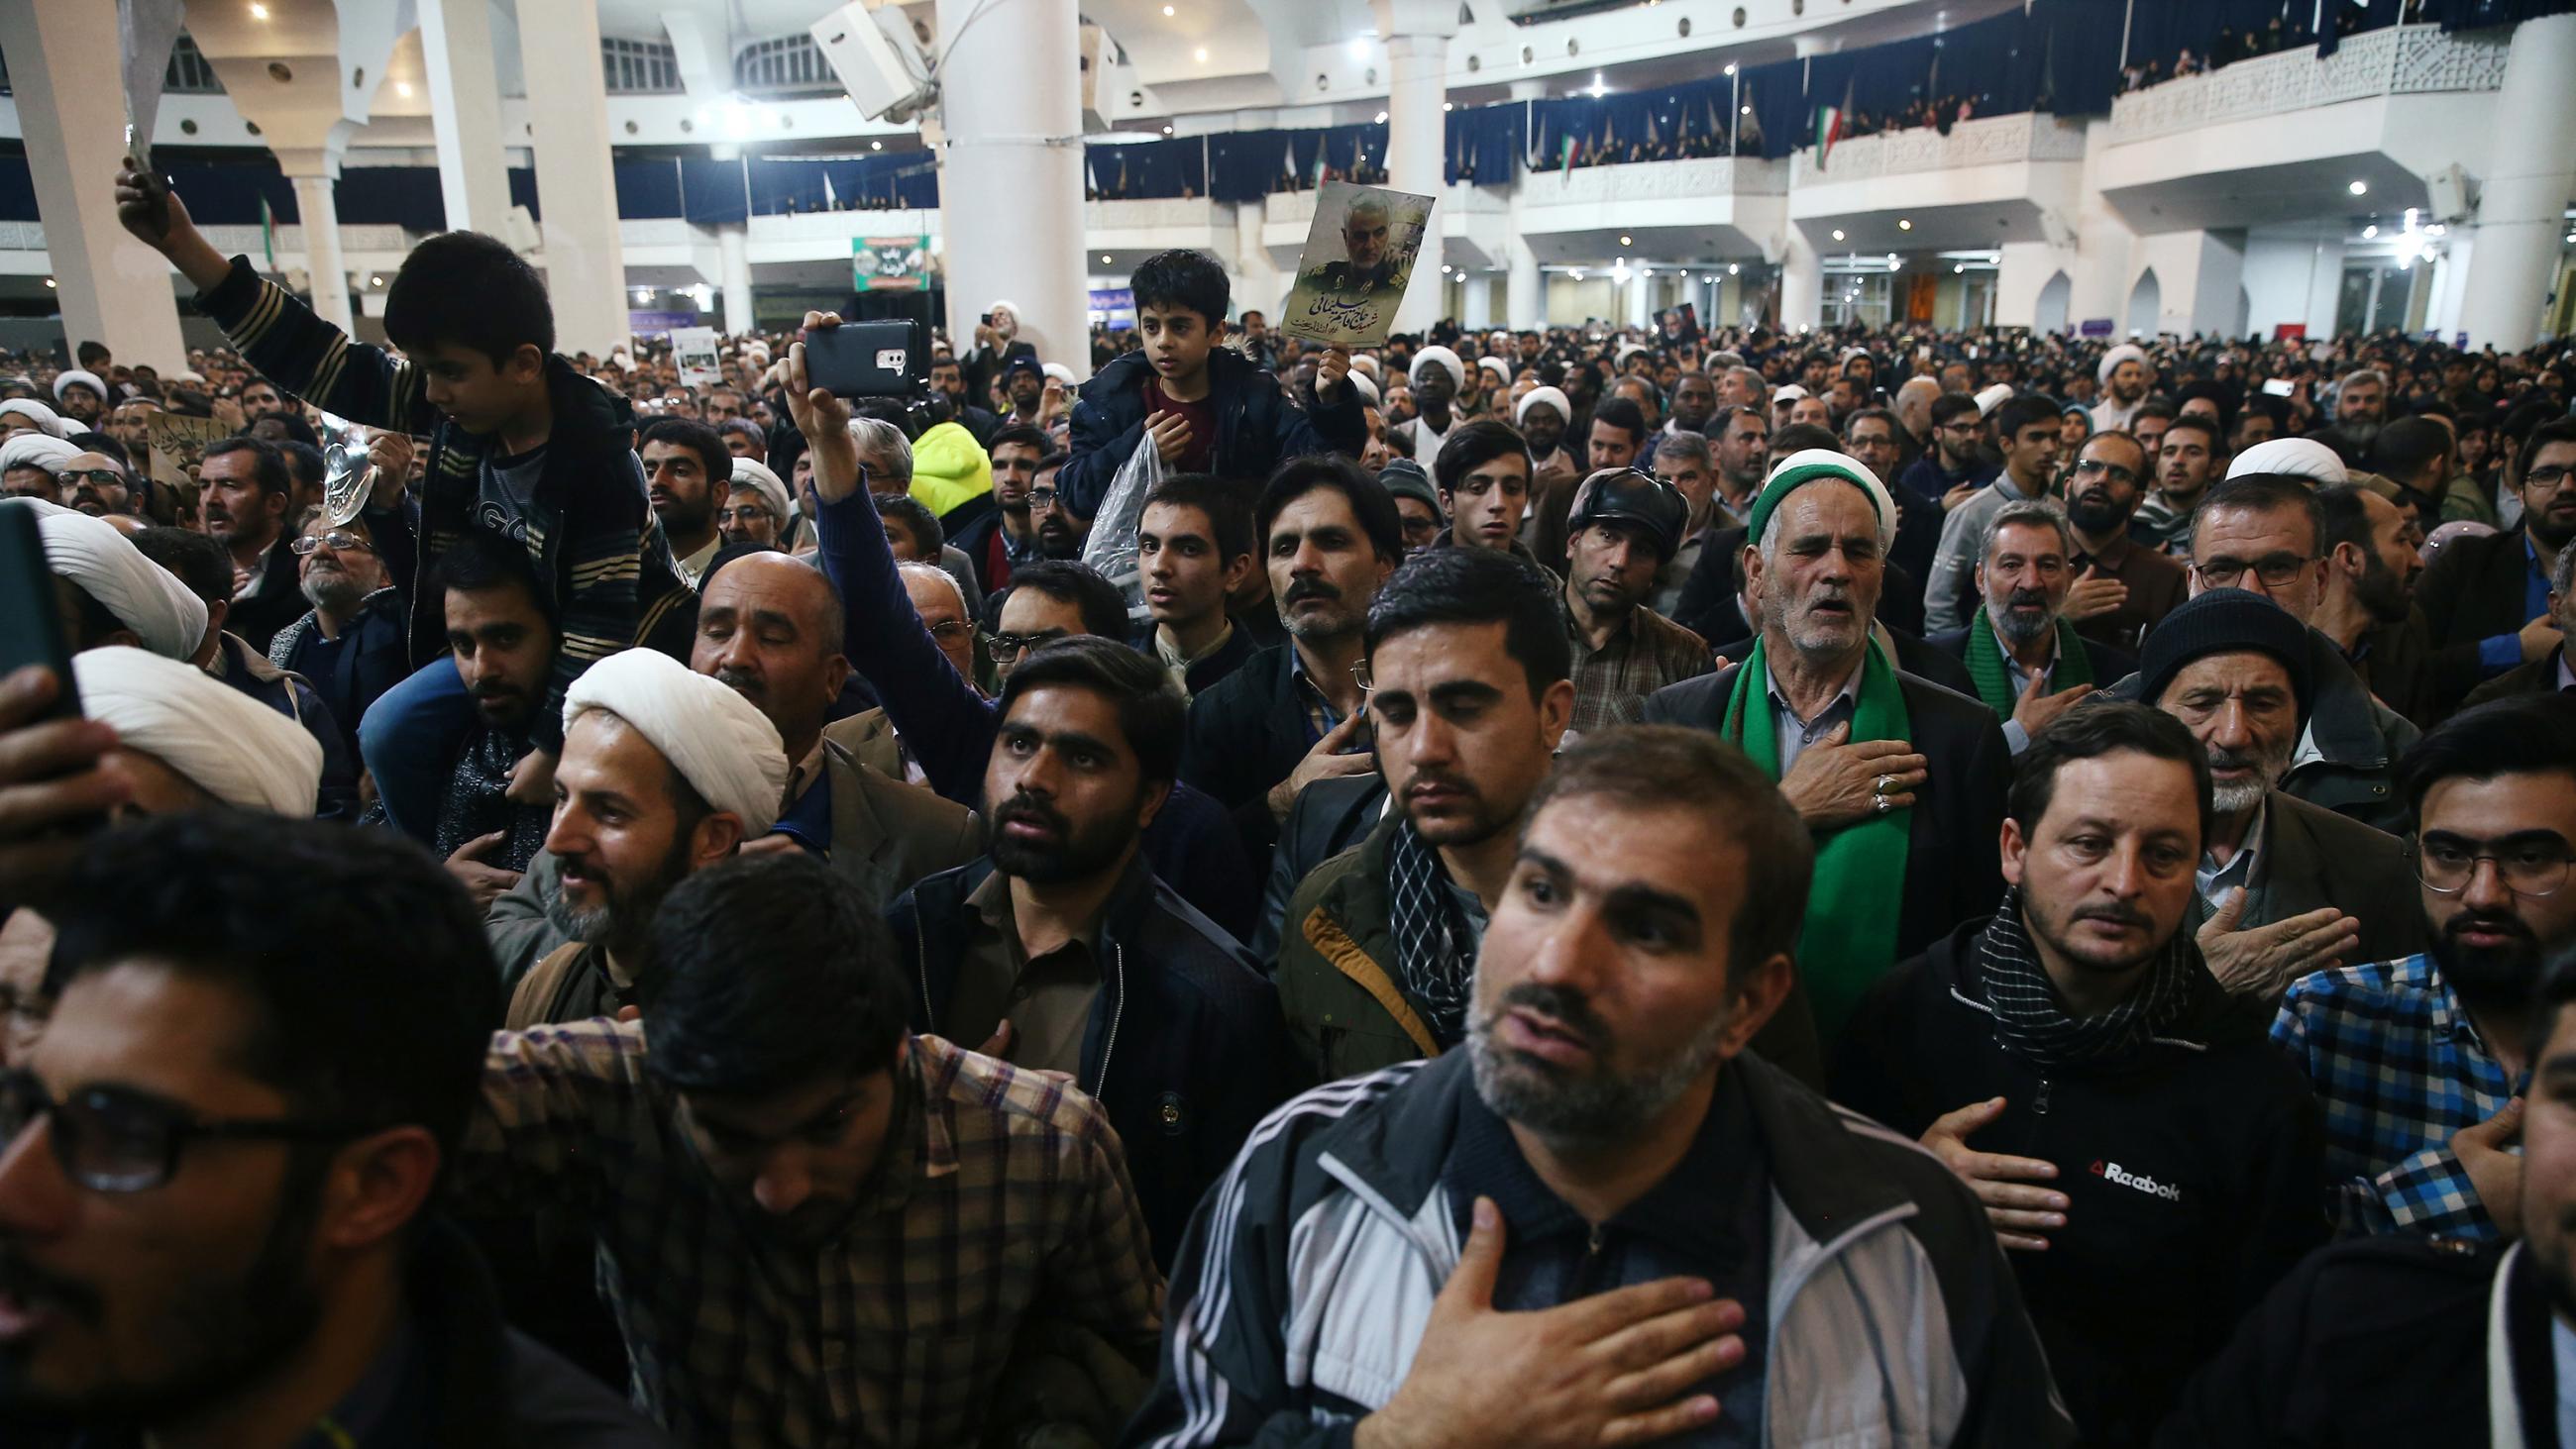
column 245, row 497
column 2187, row 460
column 1005, row 536
column 2027, row 425
column 502, row 638
column 1483, row 473
column 2121, row 589
column 1193, row 548
column 949, row 382
column 222, row 1152
column 1956, row 458
column 2494, row 590
column 1605, row 1201
column 1687, row 464
column 2078, row 1024
column 785, row 1164
column 685, row 466
column 1618, row 434
column 2420, row 1062
column 1062, row 952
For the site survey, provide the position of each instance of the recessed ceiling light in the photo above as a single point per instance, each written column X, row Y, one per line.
column 50, row 282
column 1381, row 118
column 1730, row 67
column 1167, row 130
column 258, row 11
column 1201, row 54
column 876, row 145
column 1104, row 259
column 2370, row 231
column 375, row 281
column 1623, row 241
column 1904, row 225
column 1748, row 110
column 1730, row 268
column 2359, row 188
column 403, row 89
column 1838, row 236
column 1359, row 47
column 1167, row 12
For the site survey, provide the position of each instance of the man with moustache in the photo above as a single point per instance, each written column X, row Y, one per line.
column 1605, row 1221
column 2494, row 590
column 686, row 466
column 2028, row 663
column 2078, row 1024
column 1062, row 952
column 1688, row 465
column 664, row 773
column 1624, row 528
column 2189, row 457
column 2026, row 424
column 2123, row 375
column 2420, row 1062
column 1006, row 536
column 352, row 645
column 2374, row 560
column 244, row 489
column 2121, row 588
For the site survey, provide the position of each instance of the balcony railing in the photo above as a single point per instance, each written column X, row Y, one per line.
column 2402, row 60
column 1986, row 141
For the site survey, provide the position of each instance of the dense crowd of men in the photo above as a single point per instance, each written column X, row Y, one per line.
column 1559, row 887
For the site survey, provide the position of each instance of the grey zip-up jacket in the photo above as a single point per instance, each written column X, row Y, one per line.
column 1309, row 1273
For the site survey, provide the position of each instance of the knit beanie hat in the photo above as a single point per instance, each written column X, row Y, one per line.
column 2224, row 621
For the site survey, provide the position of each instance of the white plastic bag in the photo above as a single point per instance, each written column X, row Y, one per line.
column 1112, row 546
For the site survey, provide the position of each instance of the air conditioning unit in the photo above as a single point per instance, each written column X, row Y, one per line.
column 878, row 61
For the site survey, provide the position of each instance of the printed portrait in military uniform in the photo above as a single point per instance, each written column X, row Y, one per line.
column 1359, row 257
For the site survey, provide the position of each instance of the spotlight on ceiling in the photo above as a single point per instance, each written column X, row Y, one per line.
column 2359, row 188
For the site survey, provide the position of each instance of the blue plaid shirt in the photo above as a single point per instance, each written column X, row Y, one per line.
column 2398, row 1068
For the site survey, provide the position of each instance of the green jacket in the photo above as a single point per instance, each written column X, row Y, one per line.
column 1347, row 1011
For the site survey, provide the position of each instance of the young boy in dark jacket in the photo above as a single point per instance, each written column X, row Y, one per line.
column 521, row 444
column 1206, row 408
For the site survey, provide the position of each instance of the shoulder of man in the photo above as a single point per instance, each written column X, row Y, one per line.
column 1698, row 702
column 1010, row 1101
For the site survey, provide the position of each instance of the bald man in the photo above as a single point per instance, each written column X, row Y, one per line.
column 769, row 627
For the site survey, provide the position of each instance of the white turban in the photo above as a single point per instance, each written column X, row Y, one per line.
column 2298, row 457
column 719, row 741
column 1058, row 371
column 1788, row 393
column 1544, row 396
column 36, row 450
column 223, row 741
column 87, row 379
column 1993, row 398
column 43, row 417
column 1846, row 467
column 1364, row 363
column 2111, row 360
column 1440, row 357
column 750, row 474
column 1626, row 351
column 1496, row 366
column 1360, row 384
column 143, row 596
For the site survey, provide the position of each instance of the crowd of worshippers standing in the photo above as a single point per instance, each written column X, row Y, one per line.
column 1732, row 889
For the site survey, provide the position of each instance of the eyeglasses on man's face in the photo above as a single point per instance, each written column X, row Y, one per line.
column 115, row 1139
column 335, row 540
column 1006, row 647
column 2275, row 570
column 2530, row 866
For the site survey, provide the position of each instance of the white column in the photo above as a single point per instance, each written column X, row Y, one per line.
column 1259, row 284
column 2451, row 283
column 1417, row 56
column 1476, row 303
column 1640, row 299
column 63, row 60
column 2100, row 281
column 1802, row 283
column 2523, row 204
column 318, row 214
column 465, row 113
column 577, row 192
column 732, row 247
column 1012, row 112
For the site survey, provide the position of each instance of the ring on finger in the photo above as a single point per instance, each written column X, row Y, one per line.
column 1886, row 786
column 1885, row 804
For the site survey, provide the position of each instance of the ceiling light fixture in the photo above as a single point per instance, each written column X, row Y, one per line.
column 876, row 145
column 1730, row 268
column 1201, row 54
column 1104, row 259
column 258, row 11
column 1167, row 12
column 1838, row 236
column 2370, row 231
column 1730, row 67
column 2359, row 188
column 403, row 89
column 1623, row 241
column 375, row 281
column 1359, row 47
column 1381, row 118
column 50, row 282
column 1904, row 225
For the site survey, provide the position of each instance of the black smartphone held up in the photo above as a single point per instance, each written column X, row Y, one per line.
column 868, row 359
column 986, row 319
column 31, row 626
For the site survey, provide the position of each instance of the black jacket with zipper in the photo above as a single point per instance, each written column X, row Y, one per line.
column 1184, row 1046
column 2190, row 1169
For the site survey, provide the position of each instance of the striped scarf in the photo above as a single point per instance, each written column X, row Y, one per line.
column 1435, row 950
column 2037, row 1029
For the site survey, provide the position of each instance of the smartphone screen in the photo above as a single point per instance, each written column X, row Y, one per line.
column 31, row 626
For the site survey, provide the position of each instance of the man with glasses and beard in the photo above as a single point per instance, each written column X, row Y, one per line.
column 664, row 772
column 2494, row 590
column 2121, row 588
column 1028, row 951
column 1604, row 1221
column 2078, row 1025
column 353, row 644
column 215, row 1221
column 2420, row 1062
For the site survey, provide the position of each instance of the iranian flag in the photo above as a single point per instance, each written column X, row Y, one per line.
column 268, row 233
column 1830, row 121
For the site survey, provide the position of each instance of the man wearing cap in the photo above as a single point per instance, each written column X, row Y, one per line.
column 1623, row 529
column 1436, row 375
column 1024, row 381
column 2029, row 664
column 754, row 509
column 2494, row 590
column 2124, row 376
column 1900, row 781
column 664, row 772
column 1417, row 502
column 2285, row 887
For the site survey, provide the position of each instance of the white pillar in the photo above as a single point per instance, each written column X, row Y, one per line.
column 1476, row 303
column 1640, row 299
column 1417, row 56
column 63, row 60
column 1259, row 286
column 2100, row 281
column 465, row 113
column 1802, row 284
column 576, row 190
column 1012, row 113
column 732, row 247
column 2523, row 204
column 318, row 214
column 2451, row 281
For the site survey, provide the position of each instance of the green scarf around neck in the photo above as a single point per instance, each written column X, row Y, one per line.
column 1849, row 940
column 2071, row 667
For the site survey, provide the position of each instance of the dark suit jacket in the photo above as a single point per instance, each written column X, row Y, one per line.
column 279, row 602
column 1330, row 816
column 1954, row 866
column 2540, row 676
column 2110, row 665
column 1246, row 735
column 2310, row 858
column 2475, row 589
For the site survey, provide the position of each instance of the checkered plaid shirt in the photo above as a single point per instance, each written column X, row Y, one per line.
column 1002, row 1199
column 1643, row 655
column 2399, row 1068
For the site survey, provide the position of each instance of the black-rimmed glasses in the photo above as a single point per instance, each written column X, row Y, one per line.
column 110, row 1139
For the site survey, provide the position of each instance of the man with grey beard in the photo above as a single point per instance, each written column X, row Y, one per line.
column 2027, row 661
column 353, row 644
column 2286, row 887
column 1605, row 1202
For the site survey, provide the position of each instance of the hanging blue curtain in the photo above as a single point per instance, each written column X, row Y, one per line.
column 17, row 190
column 405, row 196
column 711, row 192
column 648, row 188
column 1779, row 123
column 785, row 185
column 228, row 194
column 1483, row 144
column 904, row 181
column 2079, row 48
column 1246, row 165
column 1147, row 169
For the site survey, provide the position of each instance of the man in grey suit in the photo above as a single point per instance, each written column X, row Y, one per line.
column 2285, row 887
column 770, row 627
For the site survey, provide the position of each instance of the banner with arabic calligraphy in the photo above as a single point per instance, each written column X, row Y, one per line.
column 1359, row 257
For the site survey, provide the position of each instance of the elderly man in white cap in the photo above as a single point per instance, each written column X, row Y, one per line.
column 81, row 397
column 1437, row 377
column 1541, row 415
column 21, row 414
column 31, row 466
column 184, row 741
column 1900, row 781
column 664, row 772
column 755, row 507
column 109, row 593
column 2124, row 377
